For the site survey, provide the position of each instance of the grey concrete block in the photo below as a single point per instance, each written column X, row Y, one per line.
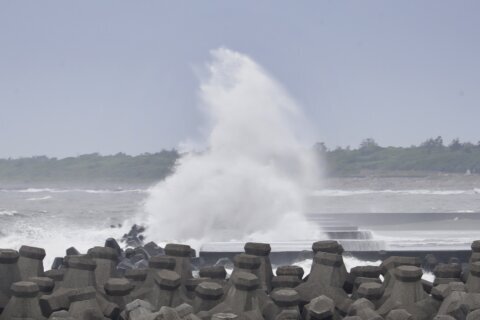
column 24, row 302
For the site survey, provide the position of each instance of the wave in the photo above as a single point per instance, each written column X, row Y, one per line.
column 249, row 182
column 55, row 239
column 347, row 193
column 39, row 198
column 351, row 262
column 53, row 190
column 9, row 213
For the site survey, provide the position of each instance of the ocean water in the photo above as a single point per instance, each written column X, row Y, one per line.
column 405, row 213
column 56, row 218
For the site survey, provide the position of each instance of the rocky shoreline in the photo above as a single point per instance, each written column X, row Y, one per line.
column 146, row 281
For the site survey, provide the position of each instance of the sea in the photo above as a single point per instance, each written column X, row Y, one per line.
column 409, row 212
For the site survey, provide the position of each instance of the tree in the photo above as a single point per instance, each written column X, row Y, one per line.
column 455, row 145
column 369, row 145
column 432, row 144
column 320, row 147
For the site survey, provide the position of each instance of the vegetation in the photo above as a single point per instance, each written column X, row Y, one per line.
column 430, row 156
column 90, row 168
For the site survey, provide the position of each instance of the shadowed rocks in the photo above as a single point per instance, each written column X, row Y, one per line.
column 149, row 282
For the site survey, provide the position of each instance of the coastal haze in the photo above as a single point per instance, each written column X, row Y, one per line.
column 218, row 124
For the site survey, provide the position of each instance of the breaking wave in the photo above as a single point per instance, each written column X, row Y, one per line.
column 250, row 181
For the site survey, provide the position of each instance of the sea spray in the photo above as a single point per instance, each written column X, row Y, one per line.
column 251, row 180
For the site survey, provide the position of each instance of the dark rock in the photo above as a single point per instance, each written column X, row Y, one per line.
column 72, row 252
column 57, row 263
column 140, row 251
column 129, row 252
column 153, row 249
column 112, row 243
column 142, row 264
column 124, row 265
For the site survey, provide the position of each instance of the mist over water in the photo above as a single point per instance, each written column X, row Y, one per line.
column 251, row 181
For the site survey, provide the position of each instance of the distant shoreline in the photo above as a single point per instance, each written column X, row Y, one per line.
column 430, row 159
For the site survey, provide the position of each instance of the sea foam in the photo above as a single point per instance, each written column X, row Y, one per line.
column 250, row 181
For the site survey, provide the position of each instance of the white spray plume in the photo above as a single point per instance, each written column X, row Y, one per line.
column 251, row 181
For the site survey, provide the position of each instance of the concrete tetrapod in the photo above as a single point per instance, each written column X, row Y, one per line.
column 283, row 300
column 265, row 273
column 407, row 289
column 24, row 302
column 30, row 262
column 9, row 274
column 242, row 298
column 182, row 255
column 208, row 295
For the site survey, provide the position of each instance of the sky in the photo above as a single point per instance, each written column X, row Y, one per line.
column 122, row 76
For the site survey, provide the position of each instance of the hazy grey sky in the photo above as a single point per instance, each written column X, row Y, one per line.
column 108, row 76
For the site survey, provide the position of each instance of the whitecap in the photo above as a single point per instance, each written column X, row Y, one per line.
column 39, row 198
column 4, row 212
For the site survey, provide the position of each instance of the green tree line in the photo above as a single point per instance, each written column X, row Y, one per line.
column 144, row 168
column 433, row 155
